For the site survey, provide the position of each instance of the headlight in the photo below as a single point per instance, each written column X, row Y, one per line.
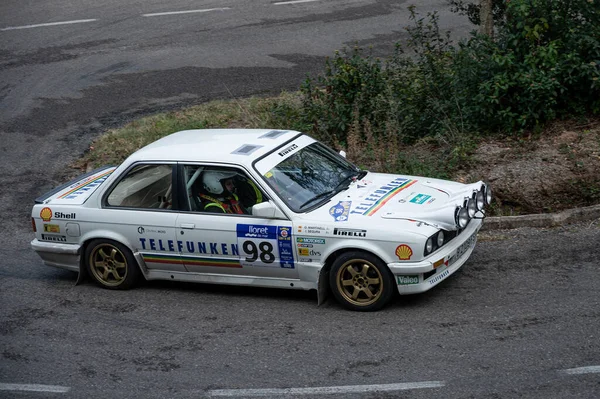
column 440, row 239
column 462, row 218
column 429, row 245
column 471, row 207
column 480, row 200
column 488, row 194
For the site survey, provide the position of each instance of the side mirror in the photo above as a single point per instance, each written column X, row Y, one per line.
column 343, row 153
column 267, row 210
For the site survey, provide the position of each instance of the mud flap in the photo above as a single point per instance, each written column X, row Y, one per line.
column 323, row 286
column 82, row 275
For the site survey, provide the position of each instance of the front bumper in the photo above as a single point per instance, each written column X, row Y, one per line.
column 65, row 256
column 416, row 277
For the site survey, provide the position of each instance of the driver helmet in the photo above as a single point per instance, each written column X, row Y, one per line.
column 213, row 181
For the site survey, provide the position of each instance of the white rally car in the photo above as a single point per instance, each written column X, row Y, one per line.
column 310, row 219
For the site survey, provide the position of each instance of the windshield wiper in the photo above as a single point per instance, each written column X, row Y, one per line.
column 319, row 196
column 342, row 185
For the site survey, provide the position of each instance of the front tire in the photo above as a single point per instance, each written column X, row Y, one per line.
column 361, row 281
column 111, row 264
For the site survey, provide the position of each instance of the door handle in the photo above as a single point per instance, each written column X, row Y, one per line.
column 187, row 225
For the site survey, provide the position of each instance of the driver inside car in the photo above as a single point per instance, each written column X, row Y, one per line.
column 219, row 193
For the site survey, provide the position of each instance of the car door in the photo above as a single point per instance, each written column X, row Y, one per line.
column 231, row 244
column 140, row 207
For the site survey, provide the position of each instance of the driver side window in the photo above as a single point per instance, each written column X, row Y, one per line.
column 217, row 189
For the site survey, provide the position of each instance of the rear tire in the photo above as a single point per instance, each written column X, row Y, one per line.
column 111, row 264
column 361, row 281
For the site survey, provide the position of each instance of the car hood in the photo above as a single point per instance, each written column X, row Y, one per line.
column 413, row 198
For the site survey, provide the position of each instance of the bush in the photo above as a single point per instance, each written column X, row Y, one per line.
column 544, row 63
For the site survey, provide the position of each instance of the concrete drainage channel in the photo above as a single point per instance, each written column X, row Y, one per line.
column 588, row 213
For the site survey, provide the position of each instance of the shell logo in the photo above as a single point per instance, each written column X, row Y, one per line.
column 46, row 214
column 403, row 252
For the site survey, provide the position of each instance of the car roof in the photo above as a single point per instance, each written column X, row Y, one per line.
column 239, row 146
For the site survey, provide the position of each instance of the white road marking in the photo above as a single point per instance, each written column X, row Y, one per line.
column 293, row 2
column 582, row 370
column 325, row 390
column 34, row 388
column 79, row 21
column 157, row 14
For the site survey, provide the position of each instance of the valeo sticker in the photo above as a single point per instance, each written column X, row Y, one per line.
column 407, row 280
column 46, row 214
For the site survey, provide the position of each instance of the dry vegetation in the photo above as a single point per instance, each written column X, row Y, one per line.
column 554, row 170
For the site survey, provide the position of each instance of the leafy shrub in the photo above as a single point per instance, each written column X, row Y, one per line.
column 543, row 63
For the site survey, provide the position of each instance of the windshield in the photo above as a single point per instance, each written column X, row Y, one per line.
column 310, row 177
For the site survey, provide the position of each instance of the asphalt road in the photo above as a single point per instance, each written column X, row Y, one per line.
column 519, row 320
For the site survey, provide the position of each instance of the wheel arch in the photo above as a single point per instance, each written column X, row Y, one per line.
column 104, row 235
column 323, row 283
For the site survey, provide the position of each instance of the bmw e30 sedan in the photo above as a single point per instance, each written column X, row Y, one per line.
column 266, row 208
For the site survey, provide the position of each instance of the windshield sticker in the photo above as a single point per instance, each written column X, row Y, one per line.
column 420, row 199
column 262, row 245
column 377, row 199
column 404, row 252
column 288, row 150
column 86, row 185
column 340, row 211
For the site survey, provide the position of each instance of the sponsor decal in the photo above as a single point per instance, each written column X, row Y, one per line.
column 46, row 214
column 50, row 237
column 304, row 245
column 261, row 245
column 313, row 230
column 378, row 198
column 60, row 215
column 143, row 230
column 340, row 211
column 288, row 150
column 439, row 277
column 190, row 260
column 86, row 185
column 200, row 247
column 308, row 252
column 52, row 228
column 407, row 280
column 404, row 252
column 310, row 240
column 420, row 199
column 349, row 232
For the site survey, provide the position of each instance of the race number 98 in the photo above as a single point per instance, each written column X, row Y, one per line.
column 264, row 251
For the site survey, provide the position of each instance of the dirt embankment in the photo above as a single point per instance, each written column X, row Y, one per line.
column 558, row 170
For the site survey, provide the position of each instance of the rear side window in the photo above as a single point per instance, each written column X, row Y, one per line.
column 144, row 186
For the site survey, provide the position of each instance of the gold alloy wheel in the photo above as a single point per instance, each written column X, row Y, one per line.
column 108, row 265
column 359, row 282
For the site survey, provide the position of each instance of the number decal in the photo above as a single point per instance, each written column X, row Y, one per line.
column 250, row 249
column 266, row 251
column 265, row 246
